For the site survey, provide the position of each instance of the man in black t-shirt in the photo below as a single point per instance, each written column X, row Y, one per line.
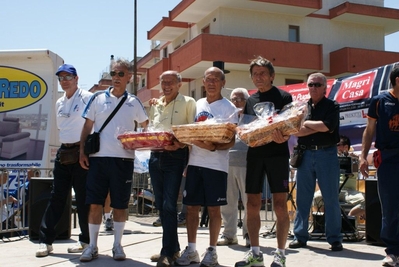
column 318, row 138
column 271, row 159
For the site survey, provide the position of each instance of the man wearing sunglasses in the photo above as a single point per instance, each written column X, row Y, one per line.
column 318, row 138
column 67, row 175
column 111, row 168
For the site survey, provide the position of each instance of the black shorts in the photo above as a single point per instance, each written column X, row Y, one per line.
column 205, row 187
column 109, row 174
column 277, row 170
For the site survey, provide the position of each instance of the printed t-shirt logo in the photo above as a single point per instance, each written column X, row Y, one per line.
column 203, row 116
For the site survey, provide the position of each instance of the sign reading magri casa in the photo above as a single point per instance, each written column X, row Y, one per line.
column 356, row 87
column 20, row 88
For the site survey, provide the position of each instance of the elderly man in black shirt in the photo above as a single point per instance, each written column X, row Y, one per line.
column 318, row 137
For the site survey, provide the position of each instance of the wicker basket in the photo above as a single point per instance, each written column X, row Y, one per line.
column 146, row 141
column 212, row 132
column 258, row 134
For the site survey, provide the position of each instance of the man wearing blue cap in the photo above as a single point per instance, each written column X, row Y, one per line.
column 67, row 171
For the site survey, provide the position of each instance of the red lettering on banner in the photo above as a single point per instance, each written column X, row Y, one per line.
column 355, row 88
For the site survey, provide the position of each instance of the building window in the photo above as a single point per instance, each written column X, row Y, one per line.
column 292, row 81
column 193, row 94
column 206, row 29
column 165, row 52
column 293, row 33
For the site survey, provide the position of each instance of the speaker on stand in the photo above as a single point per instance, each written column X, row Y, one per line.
column 39, row 194
column 373, row 213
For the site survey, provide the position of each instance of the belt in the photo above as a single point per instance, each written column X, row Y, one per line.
column 314, row 147
column 71, row 145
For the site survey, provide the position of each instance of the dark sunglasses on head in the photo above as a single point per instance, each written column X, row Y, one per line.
column 315, row 85
column 120, row 74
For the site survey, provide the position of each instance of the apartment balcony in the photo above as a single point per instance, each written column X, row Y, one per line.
column 167, row 29
column 188, row 12
column 193, row 58
column 350, row 60
column 387, row 18
column 144, row 95
column 193, row 11
column 149, row 59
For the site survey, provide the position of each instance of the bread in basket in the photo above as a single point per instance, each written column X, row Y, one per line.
column 146, row 140
column 259, row 132
column 204, row 131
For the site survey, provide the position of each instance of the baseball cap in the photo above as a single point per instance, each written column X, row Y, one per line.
column 67, row 68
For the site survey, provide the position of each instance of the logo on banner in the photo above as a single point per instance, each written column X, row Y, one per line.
column 356, row 87
column 19, row 88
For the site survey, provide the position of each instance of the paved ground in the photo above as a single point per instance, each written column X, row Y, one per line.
column 141, row 240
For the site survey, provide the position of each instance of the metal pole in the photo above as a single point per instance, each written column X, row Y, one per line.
column 135, row 50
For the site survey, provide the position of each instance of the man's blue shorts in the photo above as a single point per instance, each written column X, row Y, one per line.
column 205, row 187
column 109, row 174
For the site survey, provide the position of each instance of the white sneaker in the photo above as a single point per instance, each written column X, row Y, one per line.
column 181, row 220
column 44, row 250
column 89, row 253
column 390, row 260
column 109, row 224
column 278, row 259
column 157, row 222
column 247, row 241
column 78, row 247
column 118, row 254
column 251, row 260
column 210, row 259
column 225, row 241
column 187, row 257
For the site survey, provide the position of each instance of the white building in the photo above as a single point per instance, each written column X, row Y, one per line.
column 330, row 36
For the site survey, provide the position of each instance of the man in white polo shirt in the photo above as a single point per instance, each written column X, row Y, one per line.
column 111, row 168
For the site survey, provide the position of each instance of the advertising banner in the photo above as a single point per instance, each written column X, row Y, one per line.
column 28, row 91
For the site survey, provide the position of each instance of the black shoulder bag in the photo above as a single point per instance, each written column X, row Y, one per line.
column 296, row 157
column 92, row 143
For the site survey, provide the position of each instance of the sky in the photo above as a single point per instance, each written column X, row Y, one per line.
column 85, row 33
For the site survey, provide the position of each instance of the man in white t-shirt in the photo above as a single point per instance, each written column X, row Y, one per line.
column 206, row 179
column 67, row 171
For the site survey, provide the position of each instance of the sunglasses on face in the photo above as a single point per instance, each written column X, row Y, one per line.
column 315, row 85
column 65, row 78
column 120, row 74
